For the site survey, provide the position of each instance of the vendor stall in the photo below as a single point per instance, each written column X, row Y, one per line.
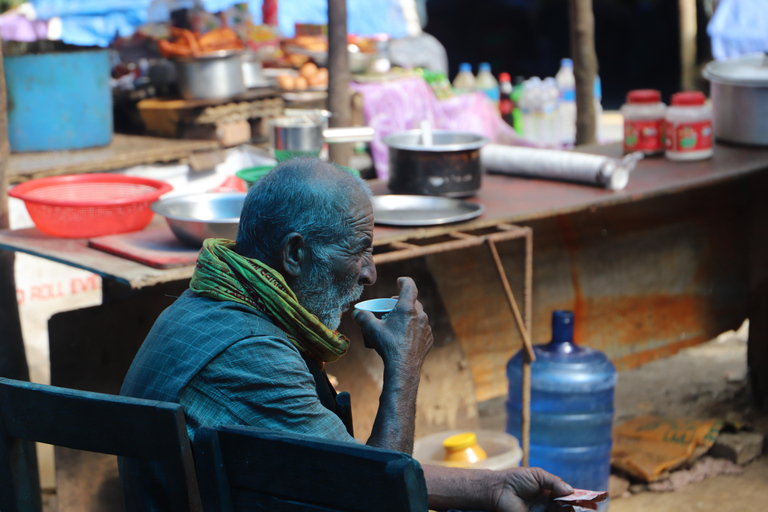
column 648, row 266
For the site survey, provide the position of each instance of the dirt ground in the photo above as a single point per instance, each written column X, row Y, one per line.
column 707, row 381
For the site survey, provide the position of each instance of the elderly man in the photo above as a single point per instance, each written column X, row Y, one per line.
column 247, row 342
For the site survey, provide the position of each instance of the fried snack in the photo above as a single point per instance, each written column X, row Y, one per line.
column 312, row 43
column 186, row 43
column 169, row 49
column 286, row 82
column 319, row 78
column 308, row 70
column 223, row 38
column 296, row 59
column 300, row 84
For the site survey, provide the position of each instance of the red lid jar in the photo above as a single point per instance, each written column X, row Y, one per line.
column 644, row 122
column 689, row 127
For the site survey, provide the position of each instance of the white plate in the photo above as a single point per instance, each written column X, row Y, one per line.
column 412, row 210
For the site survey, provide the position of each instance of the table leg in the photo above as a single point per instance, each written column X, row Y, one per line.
column 757, row 351
column 91, row 349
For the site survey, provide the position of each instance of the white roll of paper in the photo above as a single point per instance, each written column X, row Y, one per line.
column 603, row 171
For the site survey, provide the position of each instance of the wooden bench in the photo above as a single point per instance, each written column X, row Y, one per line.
column 248, row 469
column 93, row 422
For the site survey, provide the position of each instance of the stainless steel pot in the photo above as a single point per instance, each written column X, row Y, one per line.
column 739, row 93
column 303, row 132
column 213, row 75
column 297, row 134
column 450, row 166
column 252, row 71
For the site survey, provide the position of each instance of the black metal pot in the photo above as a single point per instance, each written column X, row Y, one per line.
column 449, row 167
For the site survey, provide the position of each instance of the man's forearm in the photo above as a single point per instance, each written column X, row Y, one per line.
column 394, row 425
column 463, row 489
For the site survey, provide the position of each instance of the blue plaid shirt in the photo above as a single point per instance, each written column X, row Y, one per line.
column 226, row 364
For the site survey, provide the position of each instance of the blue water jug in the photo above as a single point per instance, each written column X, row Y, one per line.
column 571, row 408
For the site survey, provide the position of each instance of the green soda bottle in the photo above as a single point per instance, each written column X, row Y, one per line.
column 517, row 116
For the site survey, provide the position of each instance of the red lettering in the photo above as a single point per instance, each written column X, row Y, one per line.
column 80, row 285
column 46, row 291
column 19, row 296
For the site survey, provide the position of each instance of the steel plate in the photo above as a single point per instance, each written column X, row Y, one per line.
column 410, row 210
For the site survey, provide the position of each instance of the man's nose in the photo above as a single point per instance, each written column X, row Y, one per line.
column 368, row 273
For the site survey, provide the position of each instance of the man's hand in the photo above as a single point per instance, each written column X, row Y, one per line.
column 508, row 490
column 403, row 338
column 529, row 489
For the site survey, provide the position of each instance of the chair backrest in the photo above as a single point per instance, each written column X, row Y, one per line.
column 244, row 468
column 95, row 422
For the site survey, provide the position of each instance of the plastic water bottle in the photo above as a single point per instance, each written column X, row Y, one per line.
column 486, row 83
column 530, row 104
column 548, row 127
column 566, row 83
column 464, row 80
column 571, row 408
column 598, row 92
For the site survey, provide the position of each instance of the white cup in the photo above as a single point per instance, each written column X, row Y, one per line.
column 379, row 307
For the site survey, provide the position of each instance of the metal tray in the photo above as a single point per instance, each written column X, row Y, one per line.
column 411, row 210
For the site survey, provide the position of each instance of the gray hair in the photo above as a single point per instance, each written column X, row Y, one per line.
column 303, row 195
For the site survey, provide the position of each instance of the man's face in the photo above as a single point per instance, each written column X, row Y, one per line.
column 334, row 282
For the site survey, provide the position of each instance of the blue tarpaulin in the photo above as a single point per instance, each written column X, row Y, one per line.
column 96, row 22
column 739, row 27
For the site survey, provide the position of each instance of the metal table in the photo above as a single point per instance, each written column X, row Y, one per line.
column 669, row 262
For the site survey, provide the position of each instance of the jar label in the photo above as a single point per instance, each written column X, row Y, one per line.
column 645, row 135
column 686, row 137
column 505, row 106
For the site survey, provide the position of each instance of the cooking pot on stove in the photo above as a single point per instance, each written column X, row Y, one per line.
column 739, row 95
column 448, row 166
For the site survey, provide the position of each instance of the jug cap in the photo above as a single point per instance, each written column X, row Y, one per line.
column 562, row 326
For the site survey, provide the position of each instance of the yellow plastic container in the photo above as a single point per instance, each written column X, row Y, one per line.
column 503, row 450
column 463, row 448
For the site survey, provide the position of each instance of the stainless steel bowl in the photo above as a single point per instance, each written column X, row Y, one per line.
column 212, row 75
column 252, row 71
column 195, row 217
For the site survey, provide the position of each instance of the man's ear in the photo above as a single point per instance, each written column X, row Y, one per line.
column 292, row 255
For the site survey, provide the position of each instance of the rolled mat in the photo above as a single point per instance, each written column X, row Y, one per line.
column 603, row 171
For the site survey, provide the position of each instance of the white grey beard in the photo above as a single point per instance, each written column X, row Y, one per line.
column 324, row 298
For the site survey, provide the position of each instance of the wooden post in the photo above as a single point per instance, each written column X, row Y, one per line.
column 13, row 360
column 688, row 31
column 584, row 68
column 339, row 101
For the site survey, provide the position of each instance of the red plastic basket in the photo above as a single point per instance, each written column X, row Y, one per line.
column 88, row 205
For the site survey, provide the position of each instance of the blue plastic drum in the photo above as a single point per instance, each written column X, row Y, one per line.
column 59, row 101
column 571, row 408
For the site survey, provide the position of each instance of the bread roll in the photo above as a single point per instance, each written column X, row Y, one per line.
column 286, row 82
column 300, row 84
column 308, row 70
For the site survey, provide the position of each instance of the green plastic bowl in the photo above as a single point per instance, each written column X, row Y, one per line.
column 350, row 170
column 252, row 174
column 282, row 155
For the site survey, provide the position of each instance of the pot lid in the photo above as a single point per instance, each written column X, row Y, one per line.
column 750, row 70
column 442, row 141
